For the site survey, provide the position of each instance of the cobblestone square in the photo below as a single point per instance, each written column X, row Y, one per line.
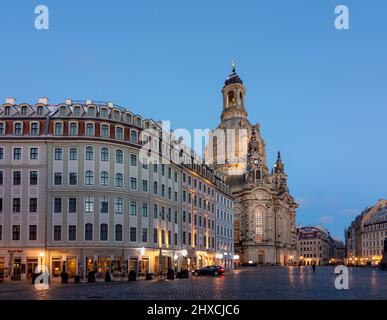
column 277, row 283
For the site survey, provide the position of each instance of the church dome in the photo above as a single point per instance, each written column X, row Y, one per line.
column 233, row 78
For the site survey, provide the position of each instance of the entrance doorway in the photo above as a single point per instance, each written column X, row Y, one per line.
column 261, row 257
column 56, row 266
column 71, row 267
column 2, row 261
column 32, row 263
column 16, row 272
column 144, row 265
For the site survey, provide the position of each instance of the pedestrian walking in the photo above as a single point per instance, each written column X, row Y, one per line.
column 314, row 267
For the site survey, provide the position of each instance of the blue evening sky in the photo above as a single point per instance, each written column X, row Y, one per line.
column 319, row 93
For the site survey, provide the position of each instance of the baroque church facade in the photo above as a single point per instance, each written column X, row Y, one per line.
column 264, row 210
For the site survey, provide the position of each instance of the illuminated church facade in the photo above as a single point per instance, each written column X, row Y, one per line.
column 264, row 210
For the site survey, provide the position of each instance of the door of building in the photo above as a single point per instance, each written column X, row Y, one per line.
column 71, row 267
column 32, row 263
column 2, row 262
column 261, row 257
column 16, row 272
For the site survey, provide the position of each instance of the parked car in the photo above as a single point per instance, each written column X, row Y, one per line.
column 209, row 271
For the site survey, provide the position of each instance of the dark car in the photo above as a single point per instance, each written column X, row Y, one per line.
column 209, row 271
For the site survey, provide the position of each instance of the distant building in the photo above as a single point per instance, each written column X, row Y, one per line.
column 313, row 245
column 338, row 247
column 365, row 236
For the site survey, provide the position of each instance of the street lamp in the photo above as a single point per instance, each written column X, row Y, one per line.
column 41, row 254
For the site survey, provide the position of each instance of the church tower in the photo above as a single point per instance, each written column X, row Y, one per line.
column 229, row 142
column 264, row 211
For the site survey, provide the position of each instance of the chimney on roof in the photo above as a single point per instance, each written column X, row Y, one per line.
column 43, row 100
column 69, row 102
column 110, row 104
column 88, row 101
column 10, row 100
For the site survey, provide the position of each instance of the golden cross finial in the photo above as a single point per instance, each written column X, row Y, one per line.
column 233, row 65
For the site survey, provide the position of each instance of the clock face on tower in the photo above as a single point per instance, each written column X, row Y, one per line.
column 256, row 162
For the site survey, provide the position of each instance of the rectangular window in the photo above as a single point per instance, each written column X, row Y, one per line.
column 72, row 205
column 1, row 232
column 133, row 232
column 89, row 204
column 133, row 183
column 33, row 205
column 175, row 239
column 155, row 238
column 33, row 232
column 1, row 153
column 16, row 205
column 57, row 233
column 73, row 154
column 33, row 178
column 58, row 154
column 144, row 210
column 16, row 232
column 133, row 160
column 17, row 154
column 144, row 235
column 34, row 154
column 133, row 208
column 57, row 178
column 57, row 205
column 155, row 167
column 1, row 178
column 2, row 128
column 73, row 181
column 104, row 204
column 144, row 163
column 1, row 205
column 16, row 178
column 72, row 233
column 144, row 185
column 155, row 211
column 184, row 237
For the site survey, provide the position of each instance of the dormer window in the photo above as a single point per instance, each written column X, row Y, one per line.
column 40, row 111
column 91, row 112
column 116, row 115
column 77, row 111
column 128, row 118
column 137, row 122
column 104, row 112
column 24, row 111
column 7, row 111
column 18, row 129
column 63, row 111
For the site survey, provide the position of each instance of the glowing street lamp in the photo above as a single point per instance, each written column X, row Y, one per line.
column 41, row 254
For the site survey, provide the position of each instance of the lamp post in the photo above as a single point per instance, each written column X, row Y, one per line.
column 41, row 254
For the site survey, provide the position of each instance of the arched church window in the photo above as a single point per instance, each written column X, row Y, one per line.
column 258, row 174
column 259, row 225
column 240, row 99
